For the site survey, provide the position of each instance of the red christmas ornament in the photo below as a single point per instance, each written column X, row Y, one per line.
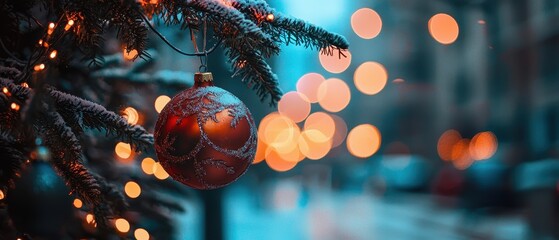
column 205, row 137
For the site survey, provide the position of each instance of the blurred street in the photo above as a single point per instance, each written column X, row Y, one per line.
column 352, row 215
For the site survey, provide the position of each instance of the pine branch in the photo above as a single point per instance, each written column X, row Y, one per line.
column 12, row 159
column 253, row 70
column 112, row 196
column 290, row 30
column 98, row 117
column 229, row 23
column 59, row 137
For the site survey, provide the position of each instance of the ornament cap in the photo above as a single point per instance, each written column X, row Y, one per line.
column 203, row 78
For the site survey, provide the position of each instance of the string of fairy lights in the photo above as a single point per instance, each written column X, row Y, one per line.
column 39, row 60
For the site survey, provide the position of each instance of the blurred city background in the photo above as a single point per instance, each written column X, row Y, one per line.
column 440, row 123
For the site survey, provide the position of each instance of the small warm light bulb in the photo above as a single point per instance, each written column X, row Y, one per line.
column 53, row 54
column 69, row 25
column 78, row 203
column 132, row 189
column 14, row 106
column 122, row 225
column 270, row 17
column 130, row 55
column 2, row 195
column 5, row 90
column 25, row 85
column 51, row 28
column 89, row 218
column 41, row 42
column 39, row 67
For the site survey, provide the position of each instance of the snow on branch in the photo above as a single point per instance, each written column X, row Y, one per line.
column 98, row 117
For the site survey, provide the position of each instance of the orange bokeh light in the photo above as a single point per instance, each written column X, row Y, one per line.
column 122, row 225
column 323, row 123
column 483, row 145
column 132, row 189
column 335, row 63
column 363, row 141
column 129, row 55
column 366, row 23
column 370, row 78
column 334, row 95
column 159, row 172
column 278, row 131
column 295, row 106
column 308, row 85
column 341, row 131
column 260, row 152
column 131, row 115
column 460, row 154
column 277, row 163
column 446, row 143
column 147, row 165
column 141, row 234
column 160, row 102
column 314, row 144
column 123, row 151
column 443, row 28
column 78, row 203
